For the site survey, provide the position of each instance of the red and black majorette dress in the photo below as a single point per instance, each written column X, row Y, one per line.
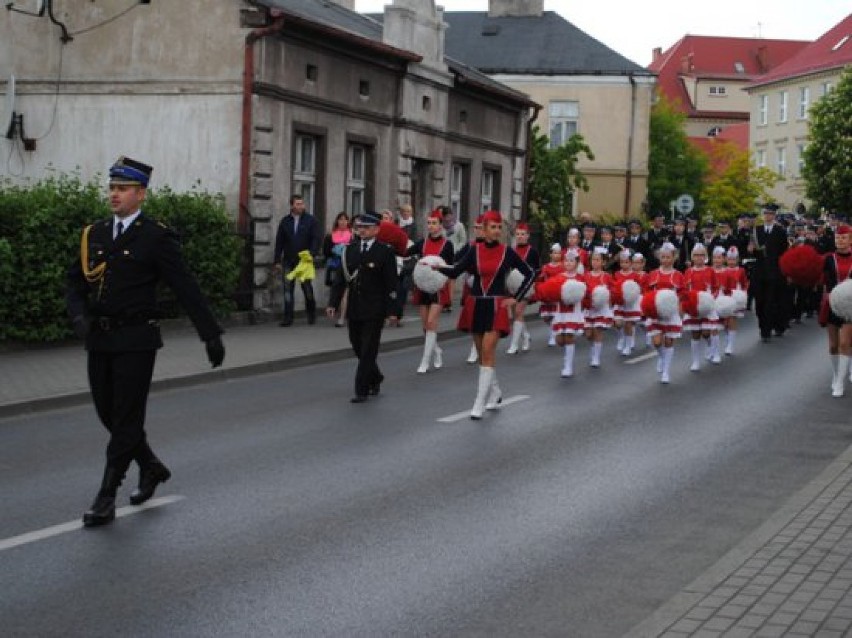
column 464, row 321
column 548, row 309
column 665, row 280
column 701, row 280
column 530, row 255
column 837, row 268
column 489, row 263
column 597, row 317
column 426, row 247
column 569, row 319
column 631, row 313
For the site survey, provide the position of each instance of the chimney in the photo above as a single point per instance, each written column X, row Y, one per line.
column 418, row 26
column 762, row 59
column 515, row 8
column 656, row 54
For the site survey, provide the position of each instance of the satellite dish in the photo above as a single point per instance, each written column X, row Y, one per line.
column 7, row 124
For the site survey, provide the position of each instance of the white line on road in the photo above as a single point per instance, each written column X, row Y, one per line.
column 458, row 416
column 47, row 532
column 641, row 358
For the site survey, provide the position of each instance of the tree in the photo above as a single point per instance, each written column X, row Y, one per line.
column 674, row 165
column 828, row 156
column 554, row 178
column 735, row 183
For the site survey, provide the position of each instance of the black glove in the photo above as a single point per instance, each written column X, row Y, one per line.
column 81, row 326
column 215, row 351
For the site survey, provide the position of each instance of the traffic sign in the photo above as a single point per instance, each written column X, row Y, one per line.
column 684, row 204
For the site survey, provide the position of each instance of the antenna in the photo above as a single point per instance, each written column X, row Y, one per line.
column 34, row 8
column 7, row 124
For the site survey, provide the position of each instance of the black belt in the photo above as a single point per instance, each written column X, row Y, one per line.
column 105, row 324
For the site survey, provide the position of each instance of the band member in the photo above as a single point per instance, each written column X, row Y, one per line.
column 478, row 238
column 838, row 268
column 573, row 242
column 599, row 313
column 768, row 243
column 627, row 314
column 634, row 240
column 489, row 263
column 700, row 278
column 555, row 267
column 607, row 243
column 664, row 331
column 430, row 305
column 529, row 255
column 683, row 243
column 569, row 319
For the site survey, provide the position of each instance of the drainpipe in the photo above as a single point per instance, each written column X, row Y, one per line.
column 527, row 161
column 629, row 173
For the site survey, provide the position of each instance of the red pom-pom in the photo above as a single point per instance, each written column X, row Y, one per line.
column 803, row 265
column 393, row 235
column 550, row 290
column 649, row 305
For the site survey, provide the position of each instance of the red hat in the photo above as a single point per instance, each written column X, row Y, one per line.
column 522, row 226
column 436, row 214
column 843, row 229
column 479, row 220
column 492, row 216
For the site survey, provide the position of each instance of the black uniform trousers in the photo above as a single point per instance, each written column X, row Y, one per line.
column 772, row 304
column 119, row 383
column 365, row 335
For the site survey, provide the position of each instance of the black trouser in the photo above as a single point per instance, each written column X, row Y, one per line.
column 772, row 304
column 365, row 335
column 290, row 299
column 119, row 382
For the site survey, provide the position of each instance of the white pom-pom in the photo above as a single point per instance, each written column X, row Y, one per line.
column 572, row 292
column 513, row 283
column 740, row 298
column 600, row 297
column 726, row 306
column 630, row 291
column 428, row 280
column 666, row 303
column 841, row 300
column 706, row 304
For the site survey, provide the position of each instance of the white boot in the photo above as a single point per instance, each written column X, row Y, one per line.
column 551, row 340
column 668, row 353
column 732, row 338
column 708, row 349
column 629, row 342
column 482, row 388
column 473, row 356
column 714, row 346
column 838, row 387
column 696, row 355
column 526, row 338
column 568, row 361
column 595, row 358
column 495, row 394
column 437, row 356
column 428, row 348
column 659, row 360
column 619, row 345
column 514, row 342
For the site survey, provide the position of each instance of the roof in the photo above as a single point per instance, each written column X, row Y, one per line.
column 712, row 57
column 530, row 45
column 368, row 31
column 832, row 50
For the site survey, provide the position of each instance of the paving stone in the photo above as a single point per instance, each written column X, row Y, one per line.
column 732, row 611
column 805, row 627
column 718, row 623
column 837, row 624
column 753, row 620
column 700, row 613
column 686, row 626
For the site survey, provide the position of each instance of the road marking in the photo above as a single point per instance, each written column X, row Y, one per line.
column 458, row 416
column 48, row 532
column 641, row 358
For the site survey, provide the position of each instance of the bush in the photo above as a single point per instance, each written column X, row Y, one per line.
column 41, row 223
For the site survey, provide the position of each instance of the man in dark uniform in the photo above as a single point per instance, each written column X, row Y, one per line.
column 112, row 302
column 656, row 236
column 634, row 240
column 771, row 296
column 370, row 269
column 682, row 242
column 744, row 236
column 590, row 233
column 297, row 231
column 607, row 242
column 723, row 238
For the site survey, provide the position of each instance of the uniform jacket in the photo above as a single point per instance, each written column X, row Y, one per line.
column 373, row 281
column 288, row 243
column 769, row 250
column 122, row 304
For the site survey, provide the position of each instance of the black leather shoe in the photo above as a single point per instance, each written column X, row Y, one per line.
column 149, row 479
column 286, row 322
column 101, row 512
column 374, row 390
column 312, row 319
column 358, row 398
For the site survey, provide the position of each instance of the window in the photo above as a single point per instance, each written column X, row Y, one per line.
column 564, row 117
column 718, row 90
column 489, row 198
column 782, row 106
column 364, row 88
column 713, row 132
column 305, row 169
column 356, row 179
column 311, row 72
column 760, row 158
column 800, row 159
column 763, row 110
column 826, row 88
column 427, row 103
column 804, row 101
column 458, row 190
column 781, row 160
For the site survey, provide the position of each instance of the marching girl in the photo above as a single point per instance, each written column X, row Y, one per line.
column 569, row 320
column 529, row 255
column 463, row 324
column 556, row 266
column 433, row 244
column 573, row 243
column 736, row 279
column 599, row 315
column 663, row 332
column 627, row 315
column 489, row 262
column 700, row 278
column 638, row 262
column 837, row 268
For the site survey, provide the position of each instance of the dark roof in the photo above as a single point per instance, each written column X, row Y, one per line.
column 331, row 14
column 531, row 45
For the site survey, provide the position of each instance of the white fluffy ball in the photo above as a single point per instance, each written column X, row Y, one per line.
column 631, row 291
column 573, row 292
column 841, row 300
column 726, row 306
column 667, row 304
column 600, row 297
column 706, row 304
column 740, row 298
column 428, row 280
column 513, row 283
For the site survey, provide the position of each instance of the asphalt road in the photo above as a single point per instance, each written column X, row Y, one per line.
column 574, row 512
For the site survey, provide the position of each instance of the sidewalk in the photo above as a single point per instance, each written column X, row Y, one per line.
column 45, row 378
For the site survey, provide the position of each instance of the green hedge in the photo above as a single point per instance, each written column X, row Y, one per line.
column 40, row 227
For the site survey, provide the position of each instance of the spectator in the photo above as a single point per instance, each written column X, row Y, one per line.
column 298, row 231
column 332, row 249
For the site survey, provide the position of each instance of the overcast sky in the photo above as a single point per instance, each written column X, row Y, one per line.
column 634, row 28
